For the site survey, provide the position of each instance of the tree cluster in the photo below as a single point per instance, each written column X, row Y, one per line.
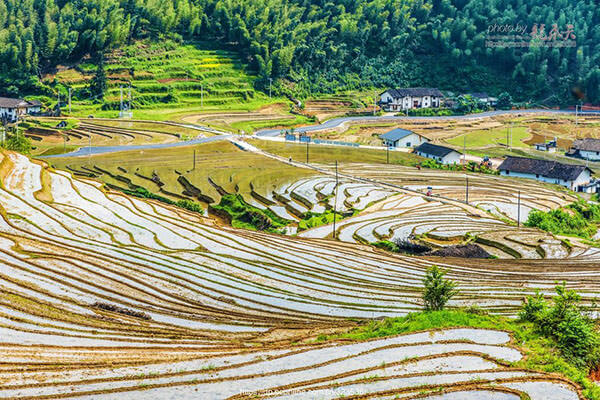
column 309, row 46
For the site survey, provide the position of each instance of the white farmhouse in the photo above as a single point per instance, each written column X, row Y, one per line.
column 574, row 177
column 441, row 154
column 588, row 149
column 484, row 98
column 409, row 98
column 402, row 138
column 549, row 147
column 11, row 109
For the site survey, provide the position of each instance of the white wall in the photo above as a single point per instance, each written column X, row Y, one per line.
column 452, row 158
column 590, row 155
column 407, row 102
column 386, row 98
column 10, row 113
column 411, row 140
column 583, row 178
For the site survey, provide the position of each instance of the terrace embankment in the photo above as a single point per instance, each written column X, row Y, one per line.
column 224, row 305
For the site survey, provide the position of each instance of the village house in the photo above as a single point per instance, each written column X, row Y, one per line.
column 441, row 154
column 587, row 149
column 549, row 147
column 409, row 98
column 11, row 109
column 484, row 98
column 574, row 177
column 402, row 138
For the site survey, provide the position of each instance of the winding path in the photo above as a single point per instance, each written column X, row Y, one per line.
column 87, row 151
column 336, row 122
column 330, row 124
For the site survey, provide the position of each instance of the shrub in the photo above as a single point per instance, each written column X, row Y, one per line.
column 312, row 220
column 437, row 290
column 410, row 247
column 386, row 245
column 428, row 112
column 18, row 143
column 578, row 220
column 246, row 216
column 504, row 101
column 564, row 321
column 189, row 205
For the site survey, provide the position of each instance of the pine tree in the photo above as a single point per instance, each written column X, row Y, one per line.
column 98, row 83
column 437, row 290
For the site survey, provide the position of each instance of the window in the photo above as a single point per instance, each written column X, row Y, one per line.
column 537, row 175
column 407, row 144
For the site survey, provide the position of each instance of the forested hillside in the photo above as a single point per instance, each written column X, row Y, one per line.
column 310, row 46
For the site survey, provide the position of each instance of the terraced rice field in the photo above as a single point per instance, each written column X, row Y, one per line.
column 390, row 213
column 106, row 296
column 97, row 132
column 220, row 168
column 494, row 194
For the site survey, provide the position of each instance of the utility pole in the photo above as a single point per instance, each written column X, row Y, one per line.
column 121, row 107
column 467, row 189
column 70, row 94
column 519, row 209
column 388, row 153
column 307, row 141
column 129, row 107
column 374, row 103
column 465, row 149
column 335, row 198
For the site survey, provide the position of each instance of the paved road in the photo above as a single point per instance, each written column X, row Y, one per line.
column 86, row 151
column 334, row 123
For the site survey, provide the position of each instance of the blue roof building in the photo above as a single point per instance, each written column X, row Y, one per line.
column 402, row 138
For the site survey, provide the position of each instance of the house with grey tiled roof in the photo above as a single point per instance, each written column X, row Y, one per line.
column 571, row 176
column 441, row 154
column 11, row 109
column 587, row 149
column 409, row 98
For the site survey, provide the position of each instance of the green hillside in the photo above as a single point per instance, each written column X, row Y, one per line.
column 166, row 78
column 310, row 47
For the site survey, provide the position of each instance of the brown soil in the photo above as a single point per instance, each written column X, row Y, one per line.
column 461, row 251
column 595, row 374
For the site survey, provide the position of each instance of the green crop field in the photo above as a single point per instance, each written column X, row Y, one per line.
column 492, row 137
column 219, row 167
column 331, row 154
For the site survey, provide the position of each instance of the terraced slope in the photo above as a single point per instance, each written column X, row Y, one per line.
column 449, row 364
column 101, row 293
column 495, row 194
column 167, row 78
column 47, row 139
column 389, row 212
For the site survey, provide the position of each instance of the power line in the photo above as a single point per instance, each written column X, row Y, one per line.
column 335, row 198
